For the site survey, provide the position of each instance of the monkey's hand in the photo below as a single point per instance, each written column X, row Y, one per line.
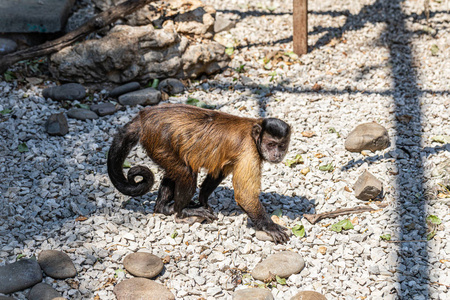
column 277, row 232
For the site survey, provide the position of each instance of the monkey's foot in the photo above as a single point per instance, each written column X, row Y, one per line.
column 197, row 213
column 276, row 232
column 189, row 220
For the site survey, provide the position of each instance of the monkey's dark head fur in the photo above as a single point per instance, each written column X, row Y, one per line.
column 272, row 139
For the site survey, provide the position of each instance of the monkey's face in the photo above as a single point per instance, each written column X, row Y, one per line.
column 273, row 149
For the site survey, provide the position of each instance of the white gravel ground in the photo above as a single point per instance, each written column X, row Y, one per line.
column 373, row 61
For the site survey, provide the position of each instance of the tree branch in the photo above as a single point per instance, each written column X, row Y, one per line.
column 99, row 21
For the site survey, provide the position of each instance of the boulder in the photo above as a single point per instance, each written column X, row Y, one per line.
column 367, row 136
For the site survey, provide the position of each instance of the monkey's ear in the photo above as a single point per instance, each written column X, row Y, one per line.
column 256, row 131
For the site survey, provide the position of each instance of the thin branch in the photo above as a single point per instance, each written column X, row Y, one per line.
column 314, row 218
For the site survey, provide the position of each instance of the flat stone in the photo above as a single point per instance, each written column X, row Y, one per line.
column 223, row 23
column 56, row 264
column 253, row 293
column 367, row 186
column 81, row 114
column 143, row 264
column 171, row 86
column 69, row 91
column 57, row 125
column 103, row 109
column 263, row 236
column 309, row 295
column 283, row 264
column 19, row 275
column 142, row 288
column 7, row 46
column 43, row 291
column 34, row 16
column 367, row 136
column 144, row 97
column 123, row 89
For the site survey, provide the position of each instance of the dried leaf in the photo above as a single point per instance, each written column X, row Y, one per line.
column 347, row 189
column 117, row 272
column 308, row 134
column 277, row 220
column 81, row 218
column 174, row 234
column 82, row 105
column 319, row 155
column 229, row 51
column 126, row 164
column 322, row 250
column 444, row 139
column 317, row 87
column 305, row 171
column 155, row 83
column 434, row 50
column 5, row 111
column 431, row 235
column 298, row 230
column 199, row 103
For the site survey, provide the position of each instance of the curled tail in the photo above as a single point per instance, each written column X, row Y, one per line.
column 123, row 142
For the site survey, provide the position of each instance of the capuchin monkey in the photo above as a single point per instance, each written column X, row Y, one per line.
column 184, row 139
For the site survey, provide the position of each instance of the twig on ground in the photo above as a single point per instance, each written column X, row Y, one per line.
column 314, row 218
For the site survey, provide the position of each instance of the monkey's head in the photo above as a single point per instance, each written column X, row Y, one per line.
column 272, row 139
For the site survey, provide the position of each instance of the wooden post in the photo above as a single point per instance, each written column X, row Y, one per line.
column 300, row 26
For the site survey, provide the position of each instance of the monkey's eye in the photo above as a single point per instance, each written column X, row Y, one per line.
column 271, row 145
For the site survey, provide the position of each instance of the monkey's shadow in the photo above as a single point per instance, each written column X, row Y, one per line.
column 222, row 201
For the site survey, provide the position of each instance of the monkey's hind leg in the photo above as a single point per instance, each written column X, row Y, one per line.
column 166, row 194
column 184, row 190
column 208, row 186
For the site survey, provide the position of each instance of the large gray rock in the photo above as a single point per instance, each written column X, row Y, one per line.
column 142, row 288
column 56, row 264
column 254, row 294
column 171, row 86
column 142, row 264
column 19, row 275
column 145, row 53
column 103, row 109
column 283, row 264
column 367, row 186
column 81, row 114
column 68, row 91
column 148, row 96
column 123, row 89
column 308, row 295
column 223, row 23
column 43, row 291
column 57, row 124
column 367, row 136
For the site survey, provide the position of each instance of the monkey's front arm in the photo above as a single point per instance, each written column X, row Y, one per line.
column 246, row 183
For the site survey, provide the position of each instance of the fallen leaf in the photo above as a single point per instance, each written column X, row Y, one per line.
column 434, row 50
column 305, row 171
column 277, row 220
column 347, row 189
column 308, row 134
column 385, row 237
column 166, row 259
column 174, row 234
column 277, row 212
column 355, row 221
column 322, row 250
column 328, row 167
column 364, row 153
column 434, row 220
column 319, row 155
column 22, row 148
column 298, row 159
column 342, row 225
column 444, row 139
column 443, row 261
column 298, row 230
column 316, row 87
column 280, row 280
column 81, row 218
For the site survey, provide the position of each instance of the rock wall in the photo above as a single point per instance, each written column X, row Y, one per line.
column 180, row 46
